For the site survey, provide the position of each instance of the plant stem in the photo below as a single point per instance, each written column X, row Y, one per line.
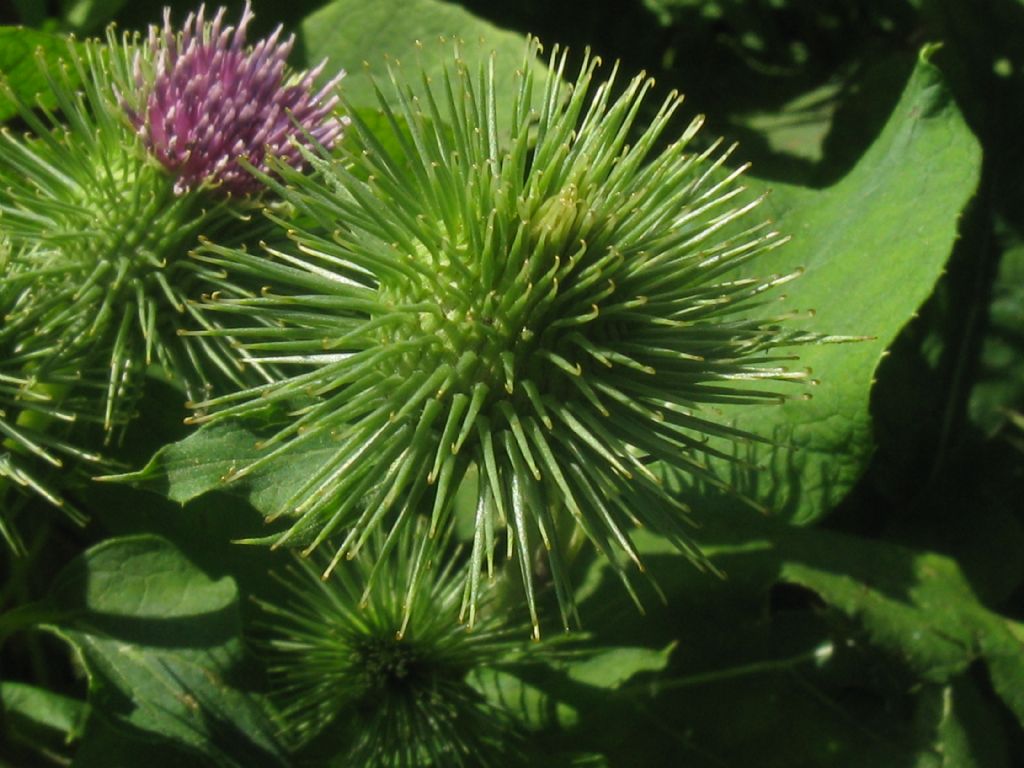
column 818, row 654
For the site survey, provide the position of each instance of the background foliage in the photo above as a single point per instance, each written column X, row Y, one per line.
column 887, row 633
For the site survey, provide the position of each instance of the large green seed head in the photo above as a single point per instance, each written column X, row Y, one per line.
column 549, row 311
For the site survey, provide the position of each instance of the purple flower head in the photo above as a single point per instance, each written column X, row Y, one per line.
column 211, row 101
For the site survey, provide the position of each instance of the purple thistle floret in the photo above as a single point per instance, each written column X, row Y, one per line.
column 212, row 102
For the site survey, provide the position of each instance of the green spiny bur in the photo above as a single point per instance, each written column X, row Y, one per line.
column 380, row 673
column 96, row 278
column 82, row 199
column 557, row 309
column 106, row 194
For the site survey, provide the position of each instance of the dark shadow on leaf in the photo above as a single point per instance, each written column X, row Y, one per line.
column 204, row 630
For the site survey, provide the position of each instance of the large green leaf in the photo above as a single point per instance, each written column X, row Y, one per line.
column 871, row 248
column 159, row 640
column 366, row 38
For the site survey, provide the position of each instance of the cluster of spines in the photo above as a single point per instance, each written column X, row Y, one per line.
column 42, row 397
column 82, row 199
column 100, row 227
column 374, row 660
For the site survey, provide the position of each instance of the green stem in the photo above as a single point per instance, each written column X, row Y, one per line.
column 818, row 654
column 28, row 617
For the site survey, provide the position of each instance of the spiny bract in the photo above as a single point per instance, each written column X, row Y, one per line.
column 539, row 315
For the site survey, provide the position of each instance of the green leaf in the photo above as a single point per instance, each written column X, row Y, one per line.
column 200, row 463
column 540, row 699
column 871, row 247
column 145, row 578
column 159, row 640
column 959, row 728
column 532, row 704
column 816, row 648
column 365, row 38
column 918, row 607
column 38, row 717
column 20, row 53
column 615, row 666
column 205, row 460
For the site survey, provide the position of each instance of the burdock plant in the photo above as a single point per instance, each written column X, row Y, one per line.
column 103, row 198
column 537, row 317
